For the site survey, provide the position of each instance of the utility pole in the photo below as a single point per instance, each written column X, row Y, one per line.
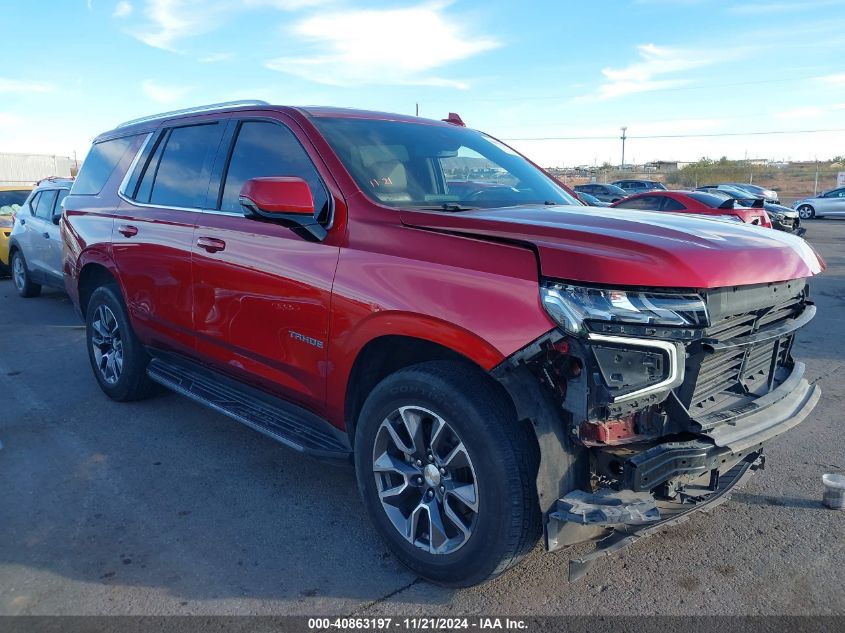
column 418, row 109
column 624, row 129
column 816, row 186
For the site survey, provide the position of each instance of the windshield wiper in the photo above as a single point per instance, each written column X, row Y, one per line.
column 448, row 206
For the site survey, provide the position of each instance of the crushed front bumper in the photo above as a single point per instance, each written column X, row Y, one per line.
column 661, row 484
column 564, row 528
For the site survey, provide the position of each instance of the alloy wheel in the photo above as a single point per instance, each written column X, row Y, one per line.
column 805, row 212
column 107, row 345
column 425, row 480
column 19, row 273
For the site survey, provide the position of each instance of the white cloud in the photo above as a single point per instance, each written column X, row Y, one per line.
column 162, row 93
column 7, row 118
column 762, row 8
column 800, row 114
column 645, row 75
column 832, row 80
column 170, row 21
column 382, row 46
column 122, row 9
column 19, row 86
column 215, row 57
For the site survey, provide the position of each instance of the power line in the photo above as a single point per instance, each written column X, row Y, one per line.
column 653, row 136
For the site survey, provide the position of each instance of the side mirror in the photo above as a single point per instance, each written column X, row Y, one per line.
column 284, row 199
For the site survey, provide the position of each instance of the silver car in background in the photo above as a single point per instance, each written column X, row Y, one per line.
column 828, row 203
column 35, row 245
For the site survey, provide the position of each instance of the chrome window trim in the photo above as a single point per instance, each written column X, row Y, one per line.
column 148, row 205
column 122, row 188
column 669, row 348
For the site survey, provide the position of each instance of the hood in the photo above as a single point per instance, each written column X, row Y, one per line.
column 636, row 248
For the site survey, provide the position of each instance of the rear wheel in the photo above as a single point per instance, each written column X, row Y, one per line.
column 20, row 275
column 117, row 357
column 806, row 212
column 447, row 473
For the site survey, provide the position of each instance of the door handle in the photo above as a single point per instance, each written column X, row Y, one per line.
column 23, row 222
column 127, row 230
column 211, row 244
column 46, row 234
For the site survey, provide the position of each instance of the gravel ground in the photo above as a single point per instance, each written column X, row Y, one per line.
column 164, row 507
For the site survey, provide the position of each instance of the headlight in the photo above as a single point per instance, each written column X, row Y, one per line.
column 572, row 306
column 780, row 217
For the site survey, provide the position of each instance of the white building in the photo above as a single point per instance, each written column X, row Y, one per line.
column 27, row 169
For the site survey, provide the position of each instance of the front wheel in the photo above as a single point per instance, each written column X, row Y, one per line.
column 447, row 473
column 117, row 357
column 806, row 212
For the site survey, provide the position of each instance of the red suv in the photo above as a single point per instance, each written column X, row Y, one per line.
column 500, row 363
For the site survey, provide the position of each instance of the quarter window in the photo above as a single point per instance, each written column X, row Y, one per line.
column 99, row 164
column 263, row 149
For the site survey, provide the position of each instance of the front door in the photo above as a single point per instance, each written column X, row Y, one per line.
column 38, row 229
column 261, row 292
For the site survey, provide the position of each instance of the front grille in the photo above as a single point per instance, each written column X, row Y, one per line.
column 727, row 379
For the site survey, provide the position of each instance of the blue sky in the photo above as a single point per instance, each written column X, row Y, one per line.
column 517, row 70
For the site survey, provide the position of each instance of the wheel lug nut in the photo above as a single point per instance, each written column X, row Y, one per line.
column 442, row 488
column 430, row 493
column 419, row 462
column 442, row 471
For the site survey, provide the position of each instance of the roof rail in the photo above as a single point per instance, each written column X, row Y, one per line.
column 196, row 109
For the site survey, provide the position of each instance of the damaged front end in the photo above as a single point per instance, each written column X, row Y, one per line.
column 650, row 405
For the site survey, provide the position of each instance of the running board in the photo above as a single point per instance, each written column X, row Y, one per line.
column 294, row 427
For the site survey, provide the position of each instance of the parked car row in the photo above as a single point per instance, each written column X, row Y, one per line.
column 501, row 364
column 654, row 196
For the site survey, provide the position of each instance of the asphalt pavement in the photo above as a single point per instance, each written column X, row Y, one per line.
column 165, row 507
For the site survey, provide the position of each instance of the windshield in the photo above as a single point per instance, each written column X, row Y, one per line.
column 10, row 201
column 407, row 165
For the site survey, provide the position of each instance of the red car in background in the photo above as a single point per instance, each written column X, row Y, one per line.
column 698, row 202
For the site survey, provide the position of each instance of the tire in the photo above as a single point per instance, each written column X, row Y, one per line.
column 499, row 460
column 118, row 359
column 21, row 277
column 806, row 212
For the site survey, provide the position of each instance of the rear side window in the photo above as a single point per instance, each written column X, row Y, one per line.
column 178, row 171
column 99, row 164
column 264, row 149
column 670, row 204
column 44, row 207
column 647, row 203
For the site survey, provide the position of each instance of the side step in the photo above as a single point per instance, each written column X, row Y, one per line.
column 284, row 422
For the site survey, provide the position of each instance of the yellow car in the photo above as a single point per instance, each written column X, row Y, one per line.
column 11, row 199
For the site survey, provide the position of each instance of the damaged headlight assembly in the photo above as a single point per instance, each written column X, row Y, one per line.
column 574, row 306
column 631, row 366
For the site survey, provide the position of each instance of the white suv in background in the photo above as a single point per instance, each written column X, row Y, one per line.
column 35, row 245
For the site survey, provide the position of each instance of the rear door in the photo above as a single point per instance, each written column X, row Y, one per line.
column 262, row 292
column 154, row 230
